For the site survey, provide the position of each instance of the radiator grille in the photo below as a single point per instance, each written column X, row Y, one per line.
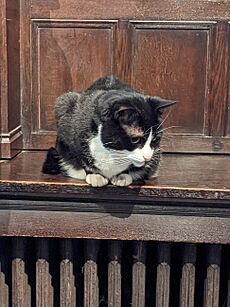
column 95, row 273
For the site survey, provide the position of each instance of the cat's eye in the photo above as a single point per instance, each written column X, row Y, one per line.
column 135, row 140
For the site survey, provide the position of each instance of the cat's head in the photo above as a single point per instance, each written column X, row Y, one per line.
column 131, row 125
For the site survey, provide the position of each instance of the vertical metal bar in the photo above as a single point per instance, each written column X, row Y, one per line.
column 212, row 282
column 91, row 286
column 114, row 274
column 21, row 291
column 163, row 275
column 67, row 278
column 4, row 287
column 139, row 272
column 44, row 289
column 187, row 285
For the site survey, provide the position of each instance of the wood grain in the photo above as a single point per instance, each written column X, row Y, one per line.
column 179, row 50
column 163, row 275
column 163, row 10
column 4, row 273
column 212, row 282
column 197, row 177
column 187, row 285
column 114, row 273
column 91, row 285
column 141, row 45
column 21, row 291
column 76, row 53
column 44, row 288
column 219, row 83
column 67, row 277
column 10, row 135
column 139, row 274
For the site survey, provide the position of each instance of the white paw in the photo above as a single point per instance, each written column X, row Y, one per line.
column 96, row 180
column 122, row 180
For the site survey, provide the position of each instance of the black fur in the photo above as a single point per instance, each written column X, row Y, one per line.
column 113, row 105
column 51, row 164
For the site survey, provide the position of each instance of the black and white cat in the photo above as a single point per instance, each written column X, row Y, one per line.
column 109, row 133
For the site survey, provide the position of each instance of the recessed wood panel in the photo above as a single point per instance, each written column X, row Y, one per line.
column 172, row 63
column 68, row 58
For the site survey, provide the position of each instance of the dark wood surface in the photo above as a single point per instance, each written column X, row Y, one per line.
column 169, row 274
column 188, row 202
column 180, row 177
column 174, row 49
column 10, row 121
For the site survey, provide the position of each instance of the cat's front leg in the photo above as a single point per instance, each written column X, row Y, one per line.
column 96, row 180
column 122, row 180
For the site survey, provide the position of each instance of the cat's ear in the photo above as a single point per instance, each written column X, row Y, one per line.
column 160, row 104
column 122, row 111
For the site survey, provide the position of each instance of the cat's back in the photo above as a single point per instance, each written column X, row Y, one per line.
column 66, row 104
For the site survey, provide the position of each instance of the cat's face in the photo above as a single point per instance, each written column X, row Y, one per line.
column 131, row 129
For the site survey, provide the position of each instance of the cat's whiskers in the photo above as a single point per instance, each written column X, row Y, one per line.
column 167, row 128
column 167, row 115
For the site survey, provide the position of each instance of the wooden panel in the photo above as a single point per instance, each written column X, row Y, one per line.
column 161, row 10
column 114, row 274
column 187, row 285
column 189, row 62
column 219, row 80
column 212, row 282
column 10, row 128
column 69, row 57
column 139, row 274
column 67, row 277
column 44, row 288
column 21, row 291
column 91, row 284
column 163, row 275
column 228, row 78
column 4, row 273
column 171, row 61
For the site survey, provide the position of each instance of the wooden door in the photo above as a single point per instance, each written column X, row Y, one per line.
column 175, row 49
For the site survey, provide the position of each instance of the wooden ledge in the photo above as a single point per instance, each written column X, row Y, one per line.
column 181, row 177
column 188, row 202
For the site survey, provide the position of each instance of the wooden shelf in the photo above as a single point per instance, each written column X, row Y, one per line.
column 189, row 201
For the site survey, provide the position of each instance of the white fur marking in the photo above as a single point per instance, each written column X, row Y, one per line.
column 109, row 162
column 147, row 151
column 96, row 180
column 72, row 171
column 122, row 180
column 141, row 155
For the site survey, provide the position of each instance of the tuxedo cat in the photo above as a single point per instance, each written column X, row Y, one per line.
column 109, row 133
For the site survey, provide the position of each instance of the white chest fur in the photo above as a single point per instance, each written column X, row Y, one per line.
column 106, row 160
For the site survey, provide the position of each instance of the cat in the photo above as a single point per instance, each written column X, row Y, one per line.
column 108, row 133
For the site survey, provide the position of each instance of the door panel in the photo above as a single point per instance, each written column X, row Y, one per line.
column 69, row 57
column 172, row 62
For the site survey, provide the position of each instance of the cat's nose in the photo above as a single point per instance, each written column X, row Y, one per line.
column 147, row 158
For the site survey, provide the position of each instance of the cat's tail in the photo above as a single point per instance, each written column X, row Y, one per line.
column 51, row 164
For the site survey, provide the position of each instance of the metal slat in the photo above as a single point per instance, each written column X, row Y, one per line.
column 163, row 275
column 114, row 273
column 21, row 291
column 212, row 282
column 139, row 274
column 67, row 278
column 44, row 289
column 187, row 285
column 91, row 285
